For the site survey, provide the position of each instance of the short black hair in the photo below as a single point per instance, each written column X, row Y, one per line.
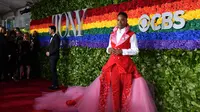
column 123, row 14
column 35, row 34
column 17, row 29
column 53, row 28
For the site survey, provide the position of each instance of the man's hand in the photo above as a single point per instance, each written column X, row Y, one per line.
column 9, row 57
column 117, row 51
column 111, row 50
column 47, row 53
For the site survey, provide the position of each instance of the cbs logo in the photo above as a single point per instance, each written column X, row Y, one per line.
column 168, row 20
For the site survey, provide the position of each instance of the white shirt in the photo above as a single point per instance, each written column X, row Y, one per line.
column 52, row 37
column 133, row 40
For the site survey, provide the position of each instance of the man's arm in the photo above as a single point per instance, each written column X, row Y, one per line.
column 57, row 45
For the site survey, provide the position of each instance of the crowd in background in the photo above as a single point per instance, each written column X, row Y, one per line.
column 18, row 54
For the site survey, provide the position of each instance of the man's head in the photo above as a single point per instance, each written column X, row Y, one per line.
column 52, row 30
column 18, row 33
column 122, row 20
column 16, row 29
column 26, row 36
column 7, row 34
column 35, row 34
column 3, row 30
column 0, row 28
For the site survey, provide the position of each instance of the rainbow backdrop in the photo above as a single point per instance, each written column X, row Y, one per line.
column 99, row 22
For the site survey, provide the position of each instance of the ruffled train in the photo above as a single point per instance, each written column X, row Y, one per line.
column 140, row 99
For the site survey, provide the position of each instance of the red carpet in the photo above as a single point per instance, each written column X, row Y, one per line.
column 19, row 96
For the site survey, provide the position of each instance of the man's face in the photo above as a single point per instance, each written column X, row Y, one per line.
column 34, row 34
column 50, row 31
column 0, row 29
column 121, row 21
column 3, row 31
column 18, row 34
column 25, row 37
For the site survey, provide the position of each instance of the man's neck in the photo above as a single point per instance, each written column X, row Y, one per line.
column 53, row 34
column 122, row 28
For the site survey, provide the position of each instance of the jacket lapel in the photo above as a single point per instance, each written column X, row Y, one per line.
column 51, row 39
column 124, row 36
column 113, row 35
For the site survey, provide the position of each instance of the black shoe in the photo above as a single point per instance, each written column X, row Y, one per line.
column 54, row 87
column 13, row 78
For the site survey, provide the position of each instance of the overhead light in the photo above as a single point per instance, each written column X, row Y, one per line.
column 26, row 10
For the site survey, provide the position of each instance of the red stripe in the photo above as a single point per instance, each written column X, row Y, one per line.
column 134, row 4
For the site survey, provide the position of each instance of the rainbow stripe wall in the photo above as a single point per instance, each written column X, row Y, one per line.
column 98, row 24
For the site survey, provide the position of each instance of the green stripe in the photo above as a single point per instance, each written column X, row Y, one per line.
column 190, row 25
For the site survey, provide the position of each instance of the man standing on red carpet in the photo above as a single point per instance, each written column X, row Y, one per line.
column 2, row 52
column 53, row 54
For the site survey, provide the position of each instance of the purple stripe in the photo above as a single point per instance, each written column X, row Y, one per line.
column 149, row 44
column 169, row 44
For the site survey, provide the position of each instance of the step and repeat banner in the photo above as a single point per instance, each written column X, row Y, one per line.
column 172, row 24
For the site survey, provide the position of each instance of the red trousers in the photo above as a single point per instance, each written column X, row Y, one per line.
column 120, row 84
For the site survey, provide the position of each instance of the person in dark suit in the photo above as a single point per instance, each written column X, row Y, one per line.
column 3, row 53
column 25, row 54
column 12, row 46
column 53, row 55
column 18, row 41
column 35, row 49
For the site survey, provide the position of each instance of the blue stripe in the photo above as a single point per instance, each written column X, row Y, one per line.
column 182, row 35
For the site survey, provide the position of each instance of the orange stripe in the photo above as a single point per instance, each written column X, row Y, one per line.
column 46, row 25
